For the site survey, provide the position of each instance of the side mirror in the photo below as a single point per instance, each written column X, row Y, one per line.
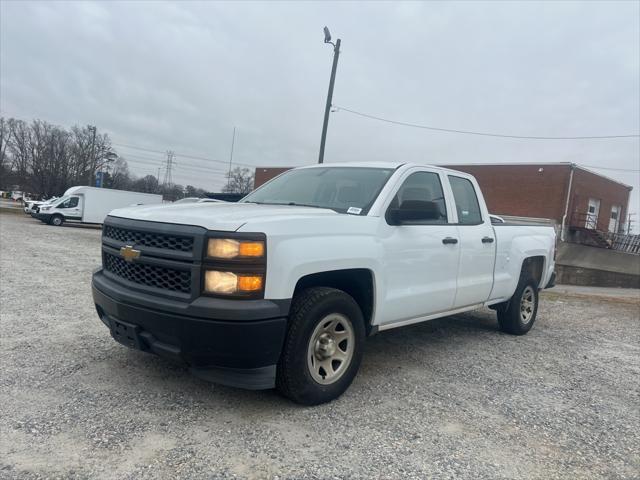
column 414, row 210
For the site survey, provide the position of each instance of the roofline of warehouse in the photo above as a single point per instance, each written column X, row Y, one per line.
column 564, row 164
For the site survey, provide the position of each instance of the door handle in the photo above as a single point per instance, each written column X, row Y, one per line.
column 487, row 240
column 449, row 241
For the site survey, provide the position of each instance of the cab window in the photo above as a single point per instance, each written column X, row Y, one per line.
column 466, row 200
column 69, row 203
column 424, row 190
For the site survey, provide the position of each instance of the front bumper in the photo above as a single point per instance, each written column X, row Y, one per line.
column 45, row 217
column 232, row 342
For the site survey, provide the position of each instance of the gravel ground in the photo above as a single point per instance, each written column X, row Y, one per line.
column 452, row 398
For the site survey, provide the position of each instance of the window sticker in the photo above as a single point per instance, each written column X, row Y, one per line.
column 354, row 210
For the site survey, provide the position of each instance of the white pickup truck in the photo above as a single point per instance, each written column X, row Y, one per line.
column 281, row 289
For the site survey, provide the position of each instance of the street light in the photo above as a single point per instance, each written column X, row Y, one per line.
column 336, row 54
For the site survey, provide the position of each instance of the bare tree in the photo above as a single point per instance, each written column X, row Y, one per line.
column 44, row 159
column 118, row 177
column 239, row 180
column 6, row 131
column 19, row 148
column 146, row 184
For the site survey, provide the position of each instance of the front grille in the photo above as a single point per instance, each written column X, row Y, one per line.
column 149, row 275
column 148, row 239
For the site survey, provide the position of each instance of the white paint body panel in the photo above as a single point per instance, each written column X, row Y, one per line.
column 416, row 277
column 96, row 203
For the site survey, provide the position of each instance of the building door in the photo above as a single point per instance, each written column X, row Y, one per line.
column 593, row 210
column 614, row 220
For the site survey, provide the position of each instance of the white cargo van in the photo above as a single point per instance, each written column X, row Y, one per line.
column 91, row 204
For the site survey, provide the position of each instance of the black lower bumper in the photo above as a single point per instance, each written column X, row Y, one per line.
column 231, row 350
column 45, row 217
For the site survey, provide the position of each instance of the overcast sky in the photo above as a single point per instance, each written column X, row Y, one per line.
column 180, row 76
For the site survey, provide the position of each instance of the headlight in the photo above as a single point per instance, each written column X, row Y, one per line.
column 229, row 283
column 227, row 248
column 45, row 208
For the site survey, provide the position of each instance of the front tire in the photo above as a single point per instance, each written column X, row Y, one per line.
column 56, row 220
column 323, row 347
column 518, row 314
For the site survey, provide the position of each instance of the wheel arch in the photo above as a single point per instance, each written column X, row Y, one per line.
column 534, row 266
column 359, row 283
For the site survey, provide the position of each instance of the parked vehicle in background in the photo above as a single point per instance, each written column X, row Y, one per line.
column 31, row 206
column 91, row 204
column 187, row 200
column 197, row 200
column 16, row 195
column 281, row 289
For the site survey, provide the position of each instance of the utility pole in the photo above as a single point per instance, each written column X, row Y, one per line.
column 332, row 80
column 233, row 142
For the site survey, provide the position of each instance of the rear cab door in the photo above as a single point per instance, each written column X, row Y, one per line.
column 477, row 241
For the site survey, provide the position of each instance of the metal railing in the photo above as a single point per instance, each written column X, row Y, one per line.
column 623, row 242
column 584, row 220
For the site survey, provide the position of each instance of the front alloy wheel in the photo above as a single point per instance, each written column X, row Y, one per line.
column 331, row 349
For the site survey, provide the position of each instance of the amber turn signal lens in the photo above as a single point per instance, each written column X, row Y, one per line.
column 251, row 249
column 249, row 283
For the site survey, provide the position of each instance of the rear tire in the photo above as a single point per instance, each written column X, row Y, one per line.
column 56, row 220
column 518, row 315
column 323, row 346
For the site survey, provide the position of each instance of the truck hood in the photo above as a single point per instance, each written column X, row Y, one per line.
column 227, row 217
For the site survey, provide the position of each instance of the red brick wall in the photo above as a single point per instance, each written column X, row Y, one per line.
column 590, row 185
column 522, row 190
column 263, row 175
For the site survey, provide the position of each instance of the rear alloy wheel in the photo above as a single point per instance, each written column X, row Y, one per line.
column 518, row 314
column 323, row 347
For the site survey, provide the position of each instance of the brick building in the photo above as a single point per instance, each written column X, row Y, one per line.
column 542, row 190
column 590, row 200
column 263, row 175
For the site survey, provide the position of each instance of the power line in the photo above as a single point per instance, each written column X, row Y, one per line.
column 180, row 155
column 134, row 159
column 483, row 134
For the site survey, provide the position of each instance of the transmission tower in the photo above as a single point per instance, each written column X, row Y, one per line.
column 167, row 173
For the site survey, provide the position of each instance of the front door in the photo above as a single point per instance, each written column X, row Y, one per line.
column 477, row 245
column 71, row 208
column 593, row 209
column 614, row 221
column 420, row 257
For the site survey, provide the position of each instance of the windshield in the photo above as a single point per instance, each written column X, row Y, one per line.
column 60, row 200
column 343, row 189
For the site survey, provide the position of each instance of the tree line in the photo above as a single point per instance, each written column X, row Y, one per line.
column 44, row 160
